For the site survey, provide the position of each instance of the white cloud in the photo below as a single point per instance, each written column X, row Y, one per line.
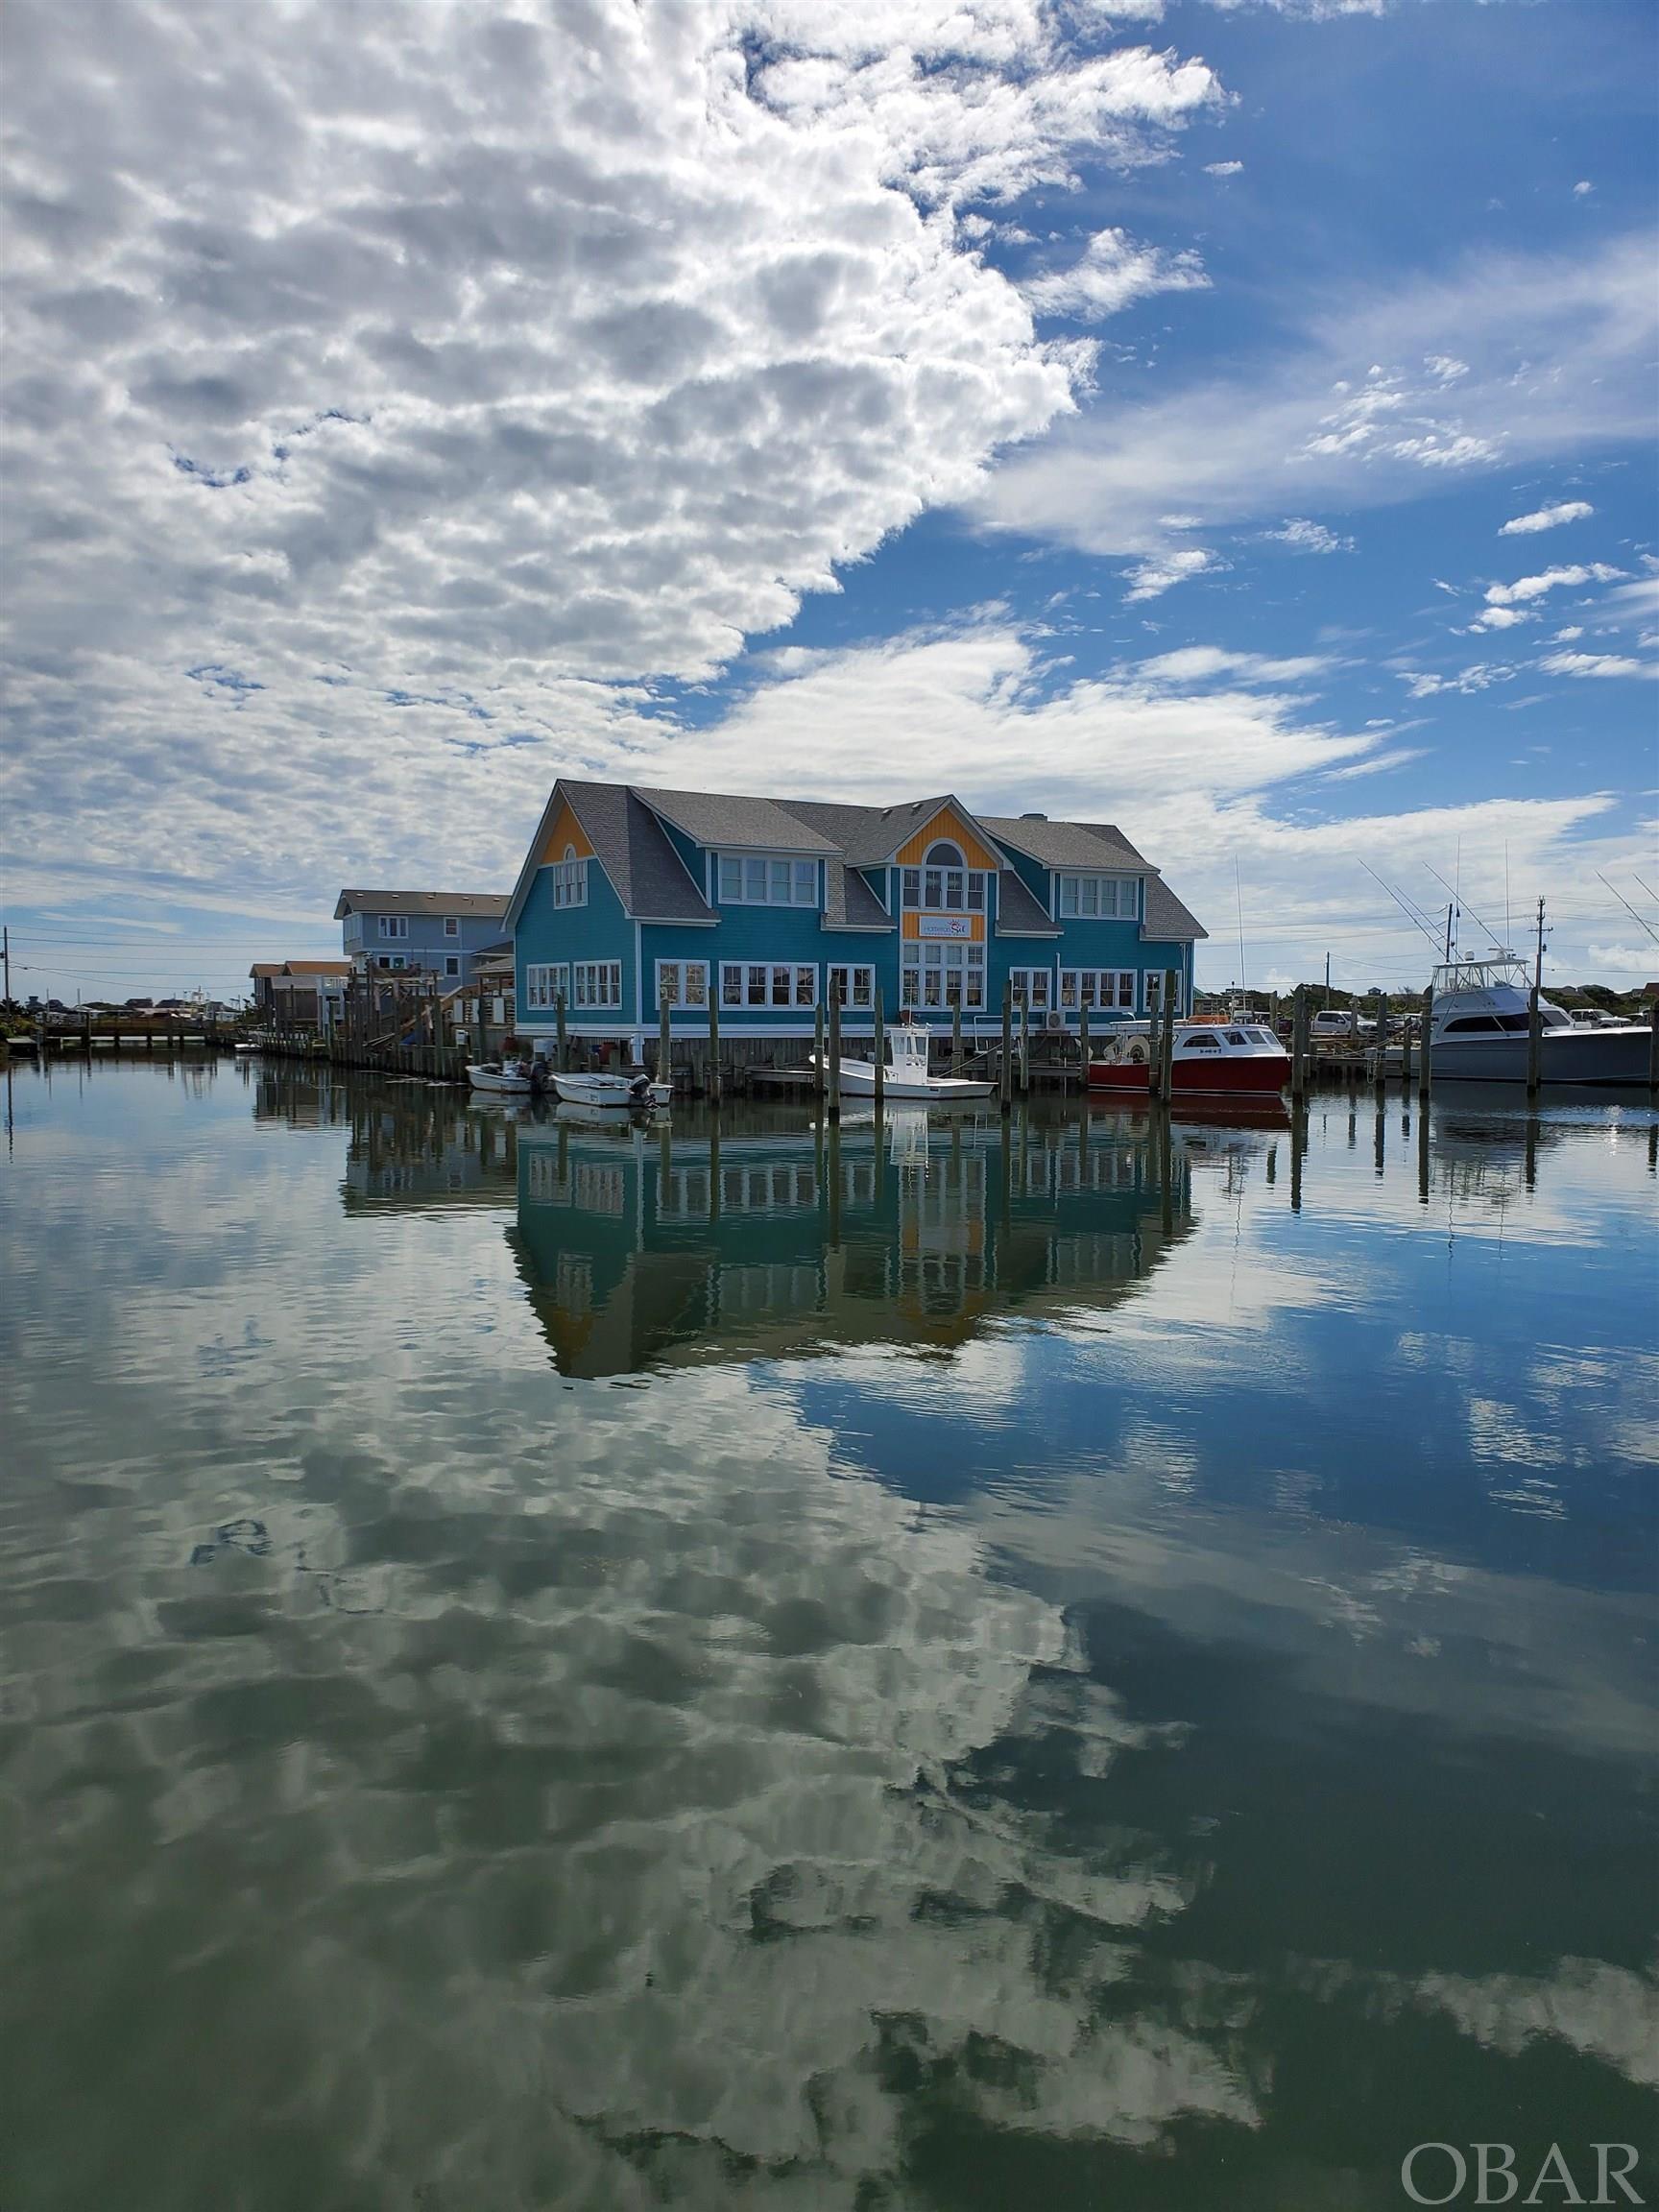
column 1567, row 635
column 1596, row 664
column 1223, row 168
column 1446, row 367
column 1625, row 959
column 1583, row 187
column 451, row 365
column 1546, row 517
column 1376, row 765
column 1506, row 602
column 1306, row 536
column 1558, row 350
column 1150, row 579
column 1479, row 678
column 1112, row 272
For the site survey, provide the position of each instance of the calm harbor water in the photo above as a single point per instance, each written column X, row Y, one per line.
column 554, row 1667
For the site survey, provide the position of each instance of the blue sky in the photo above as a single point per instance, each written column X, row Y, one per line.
column 1231, row 420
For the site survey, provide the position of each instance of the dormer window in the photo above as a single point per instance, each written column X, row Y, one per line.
column 570, row 879
column 945, row 883
column 1098, row 897
column 763, row 880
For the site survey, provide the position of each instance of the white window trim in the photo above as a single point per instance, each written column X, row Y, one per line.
column 596, row 985
column 394, row 925
column 795, row 862
column 570, row 879
column 851, row 969
column 680, row 1003
column 1126, row 896
column 545, row 982
column 1116, row 1004
column 1152, row 982
column 452, row 926
column 967, row 882
column 452, row 963
column 1023, row 980
column 744, row 1004
column 944, row 958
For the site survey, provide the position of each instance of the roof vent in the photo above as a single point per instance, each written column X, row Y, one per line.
column 1033, row 817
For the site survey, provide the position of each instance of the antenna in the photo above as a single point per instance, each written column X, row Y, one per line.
column 1628, row 909
column 1462, row 908
column 1409, row 912
column 1238, row 895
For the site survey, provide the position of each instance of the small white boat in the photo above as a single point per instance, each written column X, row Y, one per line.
column 906, row 1074
column 490, row 1075
column 1478, row 1034
column 618, row 1092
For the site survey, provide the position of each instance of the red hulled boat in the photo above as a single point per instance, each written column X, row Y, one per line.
column 1211, row 1060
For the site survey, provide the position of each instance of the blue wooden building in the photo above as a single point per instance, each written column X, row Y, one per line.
column 439, row 933
column 631, row 894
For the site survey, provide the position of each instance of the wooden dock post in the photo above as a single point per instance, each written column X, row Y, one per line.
column 818, row 1045
column 957, row 1036
column 1083, row 1047
column 713, row 1042
column 1423, row 1044
column 1154, row 1040
column 664, row 1055
column 1167, row 1055
column 562, row 1042
column 1405, row 1055
column 1653, row 1049
column 832, row 1095
column 1005, row 1073
column 1299, row 1044
column 879, row 1052
column 1024, row 1045
column 1534, row 1042
column 1379, row 1067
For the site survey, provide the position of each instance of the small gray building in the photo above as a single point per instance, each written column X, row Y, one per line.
column 438, row 933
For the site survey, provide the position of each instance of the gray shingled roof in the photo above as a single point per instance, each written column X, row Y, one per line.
column 1063, row 844
column 1168, row 921
column 865, row 835
column 725, row 818
column 634, row 851
column 850, row 904
column 1017, row 911
column 469, row 905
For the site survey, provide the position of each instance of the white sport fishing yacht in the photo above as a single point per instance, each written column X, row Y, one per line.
column 1479, row 1031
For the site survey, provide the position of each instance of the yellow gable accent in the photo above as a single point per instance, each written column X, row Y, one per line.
column 565, row 831
column 947, row 823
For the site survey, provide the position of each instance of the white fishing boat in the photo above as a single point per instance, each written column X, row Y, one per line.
column 619, row 1094
column 906, row 1074
column 1480, row 1025
column 513, row 1080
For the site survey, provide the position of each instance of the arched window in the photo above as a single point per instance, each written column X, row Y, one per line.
column 944, row 855
column 570, row 852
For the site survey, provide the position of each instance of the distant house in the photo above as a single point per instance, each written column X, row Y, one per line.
column 629, row 895
column 300, row 994
column 438, row 933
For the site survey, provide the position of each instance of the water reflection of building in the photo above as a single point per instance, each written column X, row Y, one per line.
column 642, row 1246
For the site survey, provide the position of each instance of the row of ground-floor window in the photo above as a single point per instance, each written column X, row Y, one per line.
column 931, row 976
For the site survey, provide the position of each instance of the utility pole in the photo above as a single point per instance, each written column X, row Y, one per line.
column 1327, row 978
column 5, row 956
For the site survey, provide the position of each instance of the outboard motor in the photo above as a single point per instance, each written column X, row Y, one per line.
column 640, row 1090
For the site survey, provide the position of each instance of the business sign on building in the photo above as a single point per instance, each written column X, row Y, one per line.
column 956, row 925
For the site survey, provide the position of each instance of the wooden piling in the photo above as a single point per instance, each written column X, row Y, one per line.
column 1083, row 1046
column 818, row 1046
column 879, row 1052
column 1025, row 1046
column 1653, row 1049
column 1172, row 985
column 957, row 1036
column 1380, row 1066
column 1424, row 1048
column 664, row 1055
column 1005, row 1071
column 1154, row 1040
column 1534, row 1042
column 832, row 1095
column 1299, row 1044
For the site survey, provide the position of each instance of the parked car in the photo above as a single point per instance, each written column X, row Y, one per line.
column 1337, row 1022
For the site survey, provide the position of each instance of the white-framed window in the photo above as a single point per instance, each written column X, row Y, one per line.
column 390, row 960
column 545, row 983
column 1098, row 897
column 452, row 926
column 766, row 879
column 1033, row 987
column 569, row 877
column 1151, row 991
column 944, row 884
column 597, row 982
column 1102, row 989
column 943, row 974
column 848, row 986
column 393, row 924
column 683, row 983
column 767, row 984
column 452, row 963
